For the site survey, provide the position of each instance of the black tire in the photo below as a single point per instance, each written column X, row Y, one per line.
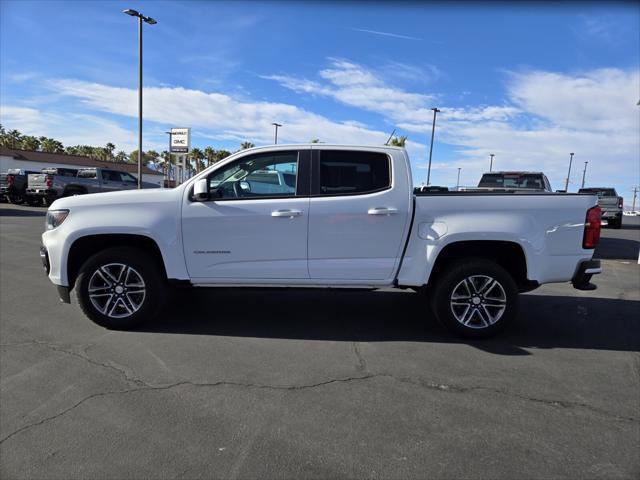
column 15, row 199
column 121, row 313
column 33, row 201
column 483, row 319
column 617, row 223
column 49, row 200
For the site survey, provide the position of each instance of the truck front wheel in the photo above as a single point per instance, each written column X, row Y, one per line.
column 120, row 287
column 475, row 298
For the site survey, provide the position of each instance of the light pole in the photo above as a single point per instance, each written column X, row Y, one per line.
column 169, row 167
column 433, row 130
column 276, row 125
column 491, row 162
column 150, row 21
column 584, row 173
column 566, row 185
column 458, row 182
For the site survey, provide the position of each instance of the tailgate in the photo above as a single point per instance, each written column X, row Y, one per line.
column 37, row 181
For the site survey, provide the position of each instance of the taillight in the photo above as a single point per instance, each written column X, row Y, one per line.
column 9, row 180
column 592, row 228
column 49, row 181
column 620, row 202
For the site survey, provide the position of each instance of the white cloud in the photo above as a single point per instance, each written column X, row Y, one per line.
column 211, row 115
column 357, row 86
column 69, row 128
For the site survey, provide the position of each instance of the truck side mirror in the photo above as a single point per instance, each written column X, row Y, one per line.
column 201, row 190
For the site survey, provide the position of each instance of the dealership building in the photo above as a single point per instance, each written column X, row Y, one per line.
column 36, row 161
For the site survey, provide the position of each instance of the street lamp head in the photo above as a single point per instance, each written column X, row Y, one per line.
column 435, row 109
column 276, row 124
column 130, row 11
column 571, row 154
column 149, row 20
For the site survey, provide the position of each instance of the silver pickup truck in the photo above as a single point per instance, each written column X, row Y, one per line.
column 610, row 203
column 51, row 184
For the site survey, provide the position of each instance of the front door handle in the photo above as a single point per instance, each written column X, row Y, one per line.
column 382, row 211
column 286, row 213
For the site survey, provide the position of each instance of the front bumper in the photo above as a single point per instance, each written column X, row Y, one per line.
column 63, row 292
column 582, row 278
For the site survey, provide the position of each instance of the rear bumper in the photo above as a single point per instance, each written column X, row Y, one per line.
column 582, row 278
column 36, row 192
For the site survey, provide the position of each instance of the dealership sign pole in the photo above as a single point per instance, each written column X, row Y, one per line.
column 180, row 143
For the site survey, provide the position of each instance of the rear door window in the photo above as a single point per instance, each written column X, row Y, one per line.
column 343, row 172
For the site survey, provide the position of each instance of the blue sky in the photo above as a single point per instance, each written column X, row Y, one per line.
column 529, row 83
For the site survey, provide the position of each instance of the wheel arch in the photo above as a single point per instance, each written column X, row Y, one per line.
column 84, row 247
column 509, row 255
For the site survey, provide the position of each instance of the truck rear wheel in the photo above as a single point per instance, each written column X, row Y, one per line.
column 475, row 298
column 15, row 198
column 119, row 288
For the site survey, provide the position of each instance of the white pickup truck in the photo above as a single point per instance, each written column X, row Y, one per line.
column 330, row 216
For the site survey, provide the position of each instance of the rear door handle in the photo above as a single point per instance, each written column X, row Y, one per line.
column 286, row 213
column 382, row 211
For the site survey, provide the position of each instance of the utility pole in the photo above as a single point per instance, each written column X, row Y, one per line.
column 491, row 162
column 584, row 173
column 458, row 182
column 433, row 130
column 566, row 185
column 635, row 191
column 276, row 125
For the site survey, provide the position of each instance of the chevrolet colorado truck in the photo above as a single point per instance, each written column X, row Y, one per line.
column 59, row 182
column 350, row 220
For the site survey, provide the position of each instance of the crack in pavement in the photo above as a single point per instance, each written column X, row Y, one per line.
column 362, row 364
column 58, row 348
column 424, row 384
column 544, row 401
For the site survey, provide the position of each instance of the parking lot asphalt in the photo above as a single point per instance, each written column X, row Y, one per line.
column 308, row 383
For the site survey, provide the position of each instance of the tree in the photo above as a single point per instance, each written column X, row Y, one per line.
column 121, row 156
column 51, row 145
column 315, row 140
column 197, row 156
column 29, row 143
column 220, row 154
column 12, row 139
column 210, row 155
column 109, row 148
column 149, row 156
column 398, row 142
column 245, row 145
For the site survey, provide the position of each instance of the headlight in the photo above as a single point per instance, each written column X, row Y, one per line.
column 55, row 218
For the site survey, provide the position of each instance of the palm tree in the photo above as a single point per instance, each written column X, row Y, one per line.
column 51, row 145
column 196, row 155
column 13, row 139
column 245, row 145
column 29, row 143
column 150, row 156
column 220, row 154
column 210, row 155
column 121, row 156
column 109, row 148
column 398, row 142
column 71, row 150
column 315, row 140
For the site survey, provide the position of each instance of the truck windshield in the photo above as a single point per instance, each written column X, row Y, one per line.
column 601, row 192
column 511, row 180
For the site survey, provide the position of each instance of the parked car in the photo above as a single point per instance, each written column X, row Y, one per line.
column 58, row 183
column 610, row 202
column 351, row 221
column 13, row 185
column 513, row 181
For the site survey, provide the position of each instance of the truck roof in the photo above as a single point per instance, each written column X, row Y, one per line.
column 502, row 172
